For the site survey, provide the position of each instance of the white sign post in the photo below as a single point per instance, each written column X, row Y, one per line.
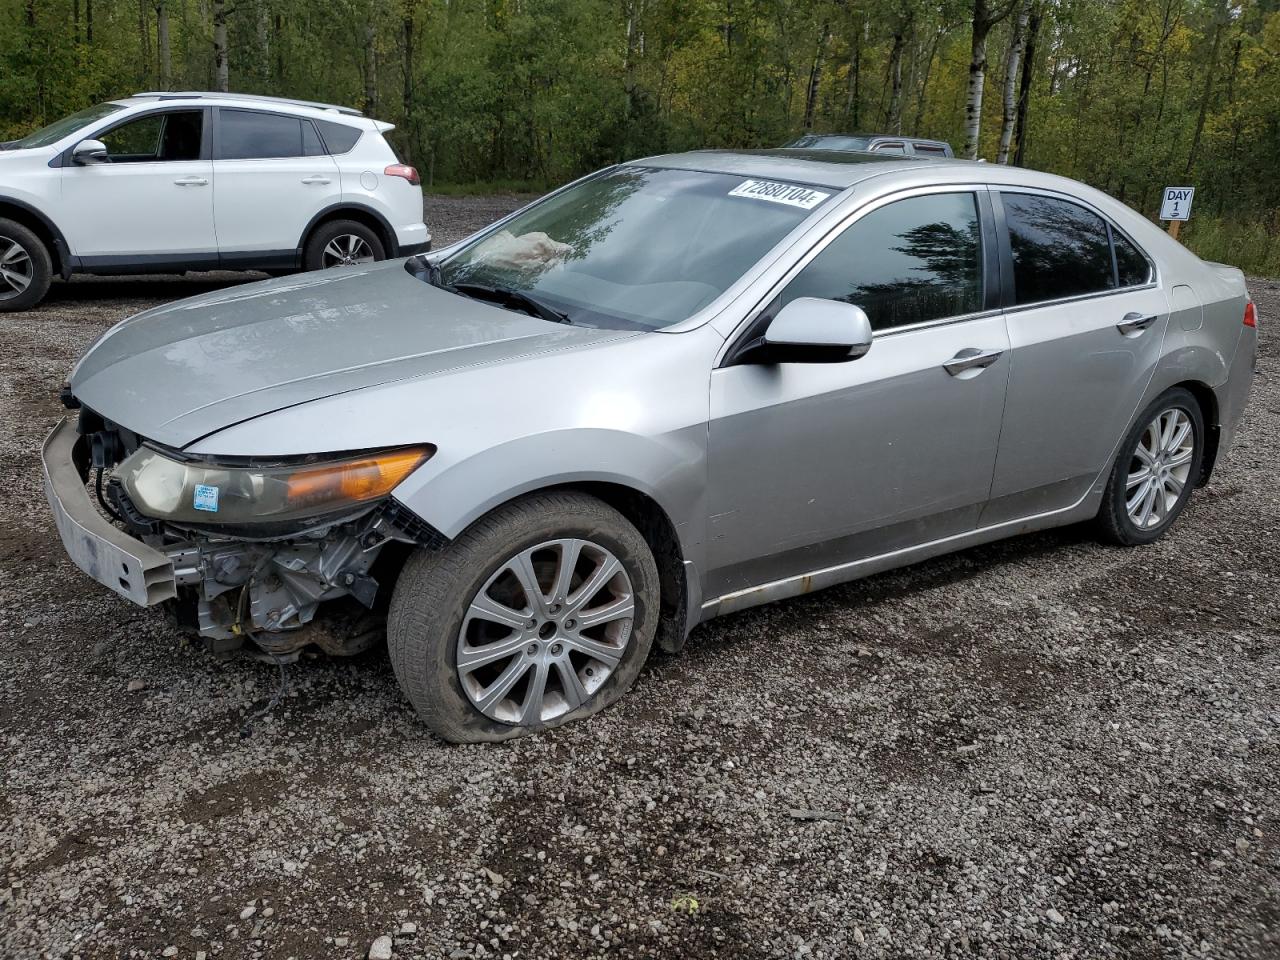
column 1176, row 207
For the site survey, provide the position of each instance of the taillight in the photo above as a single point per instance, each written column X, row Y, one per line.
column 1250, row 315
column 403, row 170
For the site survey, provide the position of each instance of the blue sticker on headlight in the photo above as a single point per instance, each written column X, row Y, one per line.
column 205, row 498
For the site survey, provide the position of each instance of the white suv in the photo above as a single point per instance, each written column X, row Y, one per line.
column 168, row 182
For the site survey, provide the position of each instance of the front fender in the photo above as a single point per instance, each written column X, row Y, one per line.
column 669, row 469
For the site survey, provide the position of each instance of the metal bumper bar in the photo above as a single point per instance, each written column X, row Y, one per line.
column 116, row 560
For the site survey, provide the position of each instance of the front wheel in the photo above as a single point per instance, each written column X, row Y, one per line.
column 25, row 267
column 540, row 613
column 1155, row 471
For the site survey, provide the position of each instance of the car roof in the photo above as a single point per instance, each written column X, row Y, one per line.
column 839, row 169
column 240, row 99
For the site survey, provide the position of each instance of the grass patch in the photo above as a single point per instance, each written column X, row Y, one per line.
column 1253, row 246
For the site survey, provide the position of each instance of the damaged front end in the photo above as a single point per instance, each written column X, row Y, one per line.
column 253, row 546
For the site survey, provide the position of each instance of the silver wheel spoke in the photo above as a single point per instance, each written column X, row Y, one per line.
column 522, row 569
column 1179, row 436
column 1137, row 477
column 1179, row 460
column 471, row 658
column 1174, row 485
column 574, row 692
column 531, row 712
column 17, row 280
column 487, row 608
column 569, row 550
column 595, row 649
column 595, row 583
column 605, row 613
column 497, row 691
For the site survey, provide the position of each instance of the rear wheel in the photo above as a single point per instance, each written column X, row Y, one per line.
column 342, row 243
column 541, row 613
column 1155, row 471
column 25, row 268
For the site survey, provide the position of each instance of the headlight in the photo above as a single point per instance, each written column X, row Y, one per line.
column 196, row 492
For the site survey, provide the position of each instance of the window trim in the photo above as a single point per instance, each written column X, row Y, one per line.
column 216, row 152
column 1006, row 250
column 991, row 265
column 64, row 159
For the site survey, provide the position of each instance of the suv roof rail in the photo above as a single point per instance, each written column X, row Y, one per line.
column 248, row 97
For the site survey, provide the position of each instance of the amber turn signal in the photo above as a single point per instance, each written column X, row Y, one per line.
column 354, row 480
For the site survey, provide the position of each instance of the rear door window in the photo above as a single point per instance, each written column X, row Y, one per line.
column 251, row 135
column 910, row 261
column 1060, row 249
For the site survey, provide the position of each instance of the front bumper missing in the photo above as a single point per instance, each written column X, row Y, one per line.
column 113, row 558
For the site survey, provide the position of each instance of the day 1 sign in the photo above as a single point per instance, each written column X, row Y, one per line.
column 1177, row 203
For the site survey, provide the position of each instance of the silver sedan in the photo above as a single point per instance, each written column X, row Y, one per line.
column 673, row 389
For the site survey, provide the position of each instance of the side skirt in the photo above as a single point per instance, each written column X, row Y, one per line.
column 804, row 583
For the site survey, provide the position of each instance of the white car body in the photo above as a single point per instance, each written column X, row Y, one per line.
column 211, row 208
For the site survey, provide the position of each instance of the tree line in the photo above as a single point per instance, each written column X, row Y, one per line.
column 1129, row 95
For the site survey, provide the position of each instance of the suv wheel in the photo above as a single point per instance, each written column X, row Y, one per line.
column 342, row 243
column 25, row 267
column 1155, row 471
column 538, row 614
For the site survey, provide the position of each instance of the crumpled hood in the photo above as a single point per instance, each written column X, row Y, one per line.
column 180, row 372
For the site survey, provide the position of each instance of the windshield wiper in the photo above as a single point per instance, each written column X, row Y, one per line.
column 507, row 297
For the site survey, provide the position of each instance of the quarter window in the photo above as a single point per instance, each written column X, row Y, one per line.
column 338, row 137
column 250, row 135
column 1060, row 249
column 1133, row 267
column 910, row 261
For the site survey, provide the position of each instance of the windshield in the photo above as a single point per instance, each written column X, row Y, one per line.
column 67, row 125
column 636, row 247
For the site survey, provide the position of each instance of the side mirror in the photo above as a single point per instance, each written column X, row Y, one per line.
column 90, row 151
column 810, row 330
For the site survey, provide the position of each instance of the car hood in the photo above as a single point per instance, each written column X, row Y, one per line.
column 183, row 371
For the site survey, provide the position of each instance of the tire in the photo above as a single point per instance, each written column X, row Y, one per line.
column 1116, row 523
column 432, row 620
column 356, row 243
column 26, row 269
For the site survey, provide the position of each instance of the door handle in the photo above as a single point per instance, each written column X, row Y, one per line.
column 971, row 359
column 320, row 180
column 192, row 182
column 1134, row 323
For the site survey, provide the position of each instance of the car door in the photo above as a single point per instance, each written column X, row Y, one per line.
column 273, row 177
column 151, row 202
column 1087, row 319
column 813, row 465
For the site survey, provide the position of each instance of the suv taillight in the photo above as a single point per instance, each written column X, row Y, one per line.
column 1250, row 315
column 403, row 170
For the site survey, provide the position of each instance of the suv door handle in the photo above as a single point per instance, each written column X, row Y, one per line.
column 192, row 182
column 971, row 358
column 321, row 180
column 1134, row 323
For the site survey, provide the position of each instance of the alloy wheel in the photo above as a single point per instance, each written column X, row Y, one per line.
column 16, row 268
column 346, row 251
column 545, row 631
column 1160, row 468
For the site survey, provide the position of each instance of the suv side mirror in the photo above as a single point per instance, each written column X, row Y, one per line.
column 810, row 330
column 90, row 151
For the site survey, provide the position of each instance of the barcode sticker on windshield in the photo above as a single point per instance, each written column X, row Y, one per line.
column 787, row 193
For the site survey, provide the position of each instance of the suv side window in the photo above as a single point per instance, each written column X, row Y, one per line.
column 909, row 261
column 156, row 137
column 1131, row 264
column 1060, row 249
column 253, row 135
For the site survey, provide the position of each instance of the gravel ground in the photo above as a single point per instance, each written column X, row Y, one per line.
column 1041, row 748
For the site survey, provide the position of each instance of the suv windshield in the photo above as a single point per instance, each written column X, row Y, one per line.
column 635, row 247
column 67, row 125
